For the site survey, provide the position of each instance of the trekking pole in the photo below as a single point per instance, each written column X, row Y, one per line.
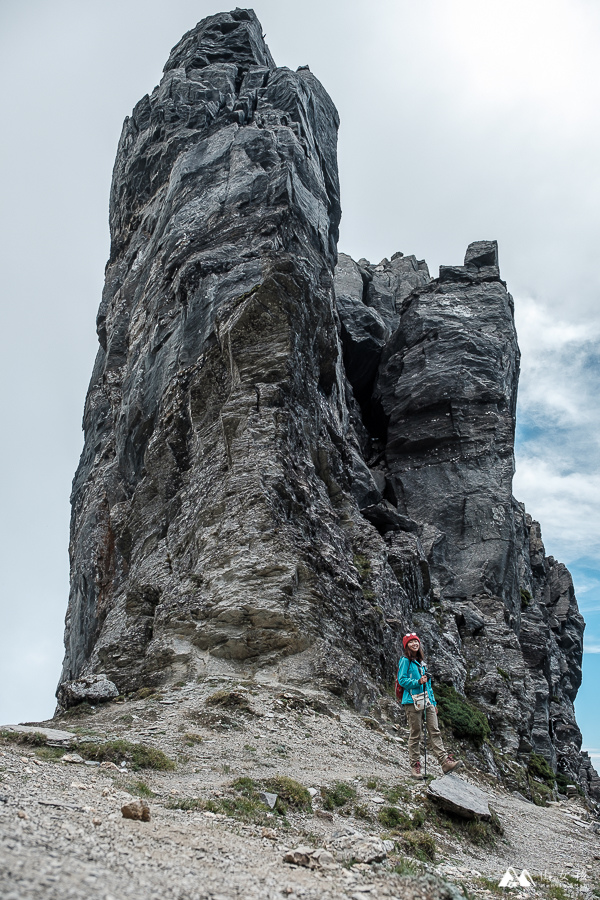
column 425, row 726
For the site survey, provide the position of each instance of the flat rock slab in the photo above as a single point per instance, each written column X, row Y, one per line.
column 459, row 797
column 52, row 735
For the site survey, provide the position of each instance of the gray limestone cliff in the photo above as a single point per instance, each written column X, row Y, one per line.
column 290, row 459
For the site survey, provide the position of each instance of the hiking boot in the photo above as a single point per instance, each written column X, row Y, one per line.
column 415, row 770
column 450, row 764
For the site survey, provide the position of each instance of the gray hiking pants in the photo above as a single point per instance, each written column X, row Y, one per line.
column 434, row 738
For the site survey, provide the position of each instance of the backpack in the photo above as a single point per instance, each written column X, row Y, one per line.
column 399, row 691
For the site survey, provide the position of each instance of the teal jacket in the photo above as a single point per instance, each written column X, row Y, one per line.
column 409, row 673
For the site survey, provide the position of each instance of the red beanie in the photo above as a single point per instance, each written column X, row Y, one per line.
column 410, row 637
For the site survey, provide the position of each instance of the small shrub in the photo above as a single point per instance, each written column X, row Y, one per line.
column 406, row 867
column 145, row 693
column 362, row 811
column 526, row 597
column 393, row 819
column 420, row 845
column 138, row 756
column 372, row 784
column 465, row 719
column 290, row 792
column 337, row 795
column 538, row 767
column 191, row 738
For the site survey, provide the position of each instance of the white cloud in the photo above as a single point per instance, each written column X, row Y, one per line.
column 591, row 648
column 558, row 459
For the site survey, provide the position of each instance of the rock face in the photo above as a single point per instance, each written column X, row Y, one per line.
column 287, row 464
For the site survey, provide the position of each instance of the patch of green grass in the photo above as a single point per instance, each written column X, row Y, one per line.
column 191, row 738
column 572, row 879
column 145, row 693
column 465, row 720
column 28, row 739
column 337, row 795
column 372, row 784
column 291, row 792
column 362, row 564
column 538, row 767
column 489, row 884
column 138, row 756
column 556, row 892
column 419, row 844
column 50, row 754
column 193, row 803
column 540, row 793
column 139, row 788
column 503, row 673
column 406, row 867
column 362, row 811
column 396, row 793
column 476, row 831
column 393, row 819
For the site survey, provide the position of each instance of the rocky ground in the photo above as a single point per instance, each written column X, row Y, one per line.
column 367, row 830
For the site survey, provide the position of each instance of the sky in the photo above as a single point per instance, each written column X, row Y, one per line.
column 461, row 120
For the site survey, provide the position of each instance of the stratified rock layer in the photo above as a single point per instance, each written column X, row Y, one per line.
column 212, row 513
column 289, row 464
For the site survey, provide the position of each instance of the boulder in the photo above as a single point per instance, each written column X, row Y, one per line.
column 90, row 689
column 459, row 797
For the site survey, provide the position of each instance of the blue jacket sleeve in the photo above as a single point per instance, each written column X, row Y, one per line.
column 404, row 679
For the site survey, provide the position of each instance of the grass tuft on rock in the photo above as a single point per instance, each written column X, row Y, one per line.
column 538, row 767
column 138, row 756
column 30, row 739
column 420, row 845
column 229, row 700
column 291, row 792
column 465, row 720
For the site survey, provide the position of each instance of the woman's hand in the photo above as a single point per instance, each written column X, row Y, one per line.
column 423, row 679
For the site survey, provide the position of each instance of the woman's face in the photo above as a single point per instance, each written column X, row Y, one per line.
column 413, row 645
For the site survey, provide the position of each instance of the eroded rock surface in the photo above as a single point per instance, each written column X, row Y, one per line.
column 287, row 464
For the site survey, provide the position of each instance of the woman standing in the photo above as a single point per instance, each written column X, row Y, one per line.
column 413, row 678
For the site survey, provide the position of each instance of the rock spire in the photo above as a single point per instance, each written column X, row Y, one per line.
column 290, row 459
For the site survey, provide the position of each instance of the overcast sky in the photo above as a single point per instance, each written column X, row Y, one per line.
column 460, row 120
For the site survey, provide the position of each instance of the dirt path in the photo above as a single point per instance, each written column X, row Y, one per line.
column 81, row 846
